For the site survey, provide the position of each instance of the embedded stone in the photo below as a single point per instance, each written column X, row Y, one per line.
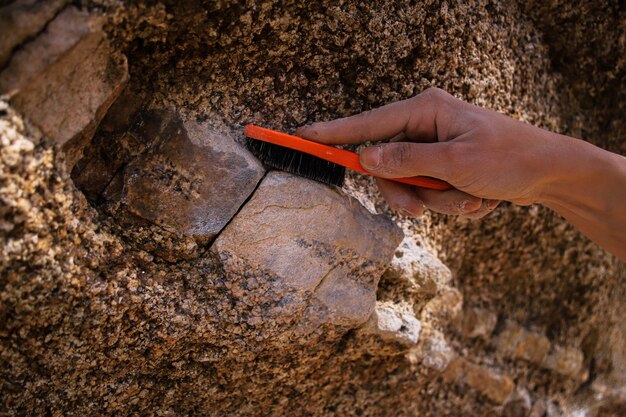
column 493, row 385
column 424, row 273
column 476, row 323
column 568, row 361
column 22, row 19
column 31, row 60
column 320, row 244
column 192, row 180
column 518, row 343
column 69, row 97
column 394, row 322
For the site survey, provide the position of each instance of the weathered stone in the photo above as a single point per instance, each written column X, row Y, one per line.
column 516, row 342
column 21, row 20
column 433, row 352
column 421, row 270
column 33, row 58
column 72, row 94
column 394, row 322
column 567, row 361
column 518, row 404
column 315, row 241
column 497, row 387
column 192, row 180
column 476, row 322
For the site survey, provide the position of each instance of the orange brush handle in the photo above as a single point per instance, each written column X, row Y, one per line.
column 338, row 156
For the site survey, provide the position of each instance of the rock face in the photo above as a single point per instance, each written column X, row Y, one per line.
column 65, row 80
column 312, row 242
column 191, row 180
column 161, row 275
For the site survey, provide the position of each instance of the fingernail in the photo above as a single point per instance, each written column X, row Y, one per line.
column 491, row 204
column 371, row 158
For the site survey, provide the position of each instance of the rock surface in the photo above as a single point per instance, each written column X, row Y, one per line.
column 105, row 312
column 66, row 79
column 321, row 247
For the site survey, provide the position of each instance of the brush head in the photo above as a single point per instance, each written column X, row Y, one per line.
column 298, row 163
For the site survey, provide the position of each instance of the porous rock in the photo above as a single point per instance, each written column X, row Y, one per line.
column 315, row 242
column 494, row 385
column 80, row 76
column 394, row 322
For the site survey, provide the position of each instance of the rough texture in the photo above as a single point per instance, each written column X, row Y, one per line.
column 65, row 80
column 104, row 311
column 311, row 241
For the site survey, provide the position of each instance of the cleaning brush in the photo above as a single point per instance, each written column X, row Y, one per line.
column 314, row 160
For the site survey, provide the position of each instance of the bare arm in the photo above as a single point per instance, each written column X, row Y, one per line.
column 487, row 157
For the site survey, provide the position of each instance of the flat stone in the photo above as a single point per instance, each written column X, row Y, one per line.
column 493, row 385
column 313, row 240
column 394, row 322
column 69, row 97
column 23, row 19
column 192, row 180
column 33, row 58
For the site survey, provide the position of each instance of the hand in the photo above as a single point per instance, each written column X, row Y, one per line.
column 485, row 155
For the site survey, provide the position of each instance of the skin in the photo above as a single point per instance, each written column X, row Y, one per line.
column 487, row 157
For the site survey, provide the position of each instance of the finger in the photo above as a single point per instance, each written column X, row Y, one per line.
column 487, row 207
column 401, row 197
column 415, row 116
column 408, row 159
column 449, row 202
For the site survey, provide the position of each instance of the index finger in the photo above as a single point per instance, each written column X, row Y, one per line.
column 415, row 117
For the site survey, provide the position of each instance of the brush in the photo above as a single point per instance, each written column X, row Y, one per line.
column 314, row 160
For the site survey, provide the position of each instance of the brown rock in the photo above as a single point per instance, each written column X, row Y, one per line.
column 70, row 97
column 518, row 343
column 496, row 387
column 192, row 180
column 477, row 322
column 33, row 58
column 567, row 361
column 314, row 241
column 22, row 19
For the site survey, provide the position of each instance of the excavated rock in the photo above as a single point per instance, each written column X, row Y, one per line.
column 312, row 242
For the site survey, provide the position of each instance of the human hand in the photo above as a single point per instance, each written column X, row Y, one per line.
column 485, row 155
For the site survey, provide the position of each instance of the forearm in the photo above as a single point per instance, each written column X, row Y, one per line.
column 588, row 188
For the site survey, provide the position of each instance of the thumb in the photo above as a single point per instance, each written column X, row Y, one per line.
column 408, row 159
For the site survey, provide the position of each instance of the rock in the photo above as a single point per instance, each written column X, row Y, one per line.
column 394, row 322
column 315, row 242
column 497, row 387
column 518, row 343
column 33, row 58
column 192, row 180
column 518, row 405
column 434, row 352
column 23, row 19
column 568, row 361
column 68, row 98
column 424, row 273
column 476, row 322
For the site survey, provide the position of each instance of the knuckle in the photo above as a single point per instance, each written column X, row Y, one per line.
column 398, row 155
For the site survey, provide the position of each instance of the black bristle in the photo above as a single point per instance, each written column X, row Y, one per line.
column 296, row 162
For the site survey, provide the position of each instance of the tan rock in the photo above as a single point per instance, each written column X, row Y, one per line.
column 316, row 243
column 22, row 19
column 192, row 180
column 476, row 322
column 71, row 95
column 424, row 273
column 394, row 322
column 433, row 352
column 567, row 361
column 33, row 58
column 497, row 387
column 518, row 343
